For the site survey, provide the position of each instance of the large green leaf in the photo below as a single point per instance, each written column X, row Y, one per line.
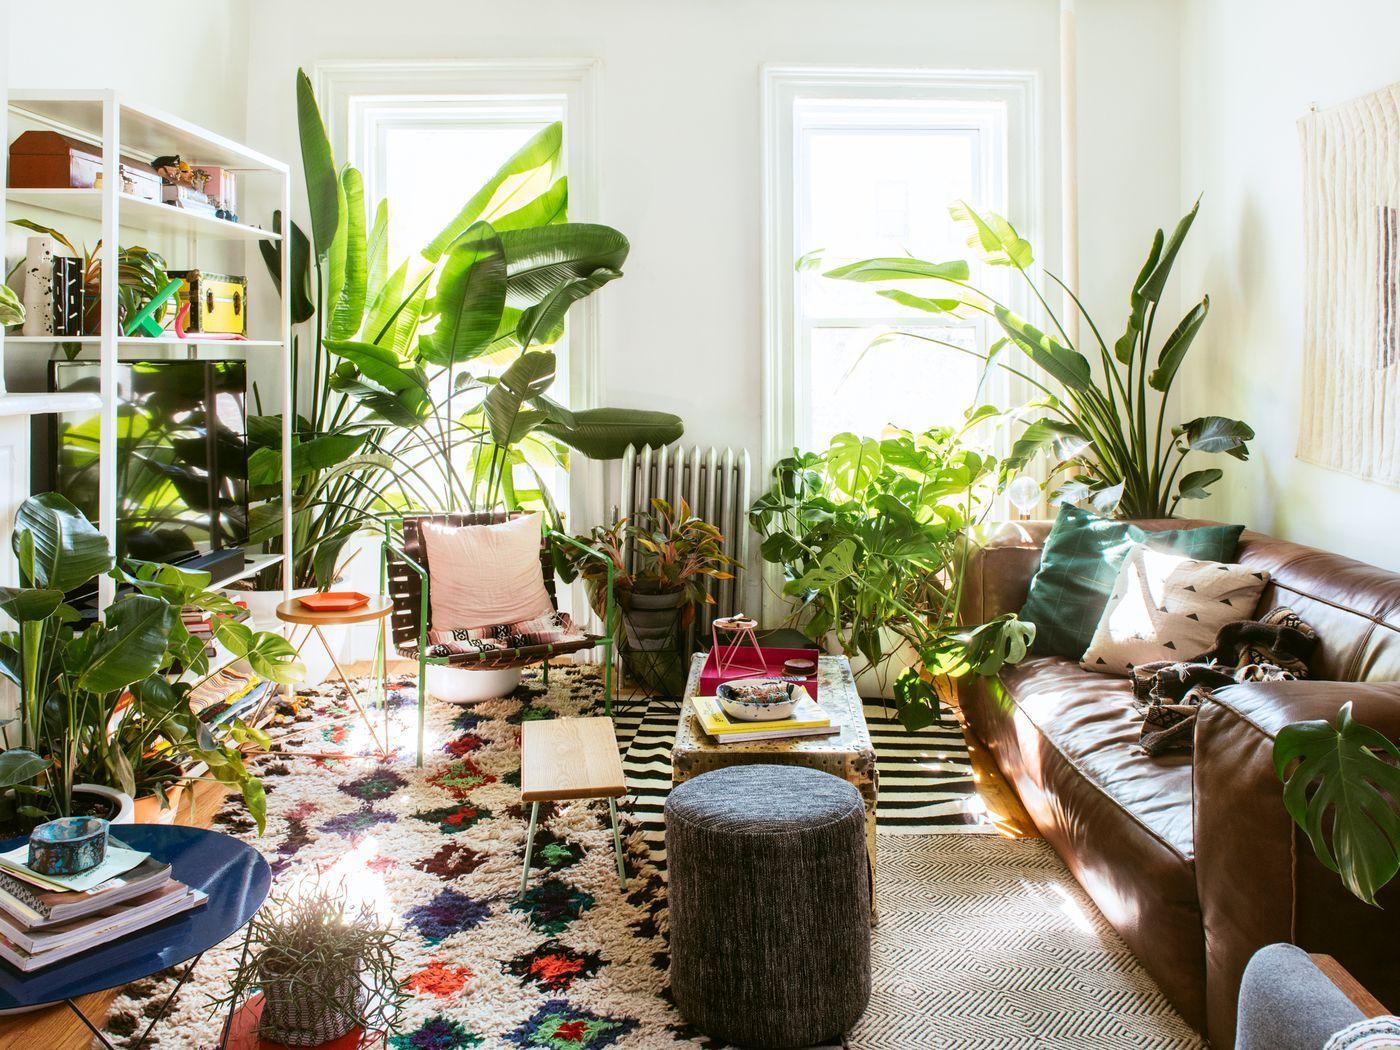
column 853, row 462
column 348, row 312
column 318, row 453
column 18, row 766
column 1156, row 281
column 322, row 186
column 471, row 296
column 1038, row 435
column 301, row 305
column 28, row 604
column 543, row 150
column 1217, row 434
column 383, row 367
column 377, row 253
column 130, row 646
column 992, row 237
column 1065, row 364
column 11, row 309
column 898, row 268
column 832, row 567
column 541, row 259
column 68, row 551
column 1137, row 303
column 1176, row 345
column 1344, row 794
column 386, row 306
column 541, row 320
column 915, row 700
column 606, row 433
column 549, row 207
column 529, row 376
column 1196, row 485
column 920, row 302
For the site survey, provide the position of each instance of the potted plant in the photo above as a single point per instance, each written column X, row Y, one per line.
column 104, row 707
column 323, row 967
column 1105, row 426
column 871, row 536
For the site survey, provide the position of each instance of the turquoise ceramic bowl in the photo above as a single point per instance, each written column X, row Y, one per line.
column 68, row 845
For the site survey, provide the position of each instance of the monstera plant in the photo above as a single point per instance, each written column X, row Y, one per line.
column 1103, row 409
column 429, row 380
column 1342, row 787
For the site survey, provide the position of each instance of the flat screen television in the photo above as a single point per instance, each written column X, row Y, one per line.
column 182, row 454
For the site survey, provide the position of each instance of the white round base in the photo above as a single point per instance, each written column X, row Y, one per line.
column 458, row 685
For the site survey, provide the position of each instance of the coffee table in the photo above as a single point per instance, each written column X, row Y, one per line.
column 849, row 754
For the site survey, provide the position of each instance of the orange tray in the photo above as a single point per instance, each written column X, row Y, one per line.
column 334, row 601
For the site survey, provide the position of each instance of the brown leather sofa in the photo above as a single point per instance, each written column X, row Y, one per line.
column 1195, row 861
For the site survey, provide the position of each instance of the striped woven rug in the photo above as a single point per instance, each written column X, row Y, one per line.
column 925, row 777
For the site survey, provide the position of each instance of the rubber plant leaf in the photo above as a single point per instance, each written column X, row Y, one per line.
column 18, row 766
column 348, row 311
column 606, row 433
column 527, row 378
column 1176, row 345
column 992, row 237
column 68, row 551
column 539, row 260
column 131, row 646
column 471, row 296
column 1342, row 793
column 322, row 186
column 507, row 190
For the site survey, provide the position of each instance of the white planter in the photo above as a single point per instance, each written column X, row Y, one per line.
column 878, row 681
column 126, row 809
column 460, row 685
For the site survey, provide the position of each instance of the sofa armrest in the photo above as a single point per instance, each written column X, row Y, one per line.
column 1256, row 875
column 999, row 570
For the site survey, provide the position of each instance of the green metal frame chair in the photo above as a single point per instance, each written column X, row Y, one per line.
column 405, row 576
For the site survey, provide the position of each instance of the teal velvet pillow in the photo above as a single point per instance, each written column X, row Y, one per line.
column 1079, row 563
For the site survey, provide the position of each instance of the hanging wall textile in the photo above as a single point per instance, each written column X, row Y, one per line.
column 1351, row 326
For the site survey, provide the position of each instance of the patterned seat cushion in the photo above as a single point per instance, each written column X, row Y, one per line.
column 553, row 628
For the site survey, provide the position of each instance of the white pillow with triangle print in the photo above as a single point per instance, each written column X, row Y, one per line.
column 1166, row 607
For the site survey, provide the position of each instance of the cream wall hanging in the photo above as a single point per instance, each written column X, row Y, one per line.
column 1351, row 320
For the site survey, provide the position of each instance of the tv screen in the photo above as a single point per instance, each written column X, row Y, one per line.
column 182, row 454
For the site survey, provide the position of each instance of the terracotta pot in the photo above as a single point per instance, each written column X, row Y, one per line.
column 147, row 808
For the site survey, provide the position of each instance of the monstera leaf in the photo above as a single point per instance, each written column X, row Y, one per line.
column 1343, row 793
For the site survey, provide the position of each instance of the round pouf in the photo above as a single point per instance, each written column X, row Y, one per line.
column 770, row 905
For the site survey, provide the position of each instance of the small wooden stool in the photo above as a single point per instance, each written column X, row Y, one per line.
column 564, row 758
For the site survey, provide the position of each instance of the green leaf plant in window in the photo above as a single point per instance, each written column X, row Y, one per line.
column 1102, row 409
column 426, row 384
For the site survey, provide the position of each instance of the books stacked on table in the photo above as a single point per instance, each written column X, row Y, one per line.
column 47, row 918
column 807, row 719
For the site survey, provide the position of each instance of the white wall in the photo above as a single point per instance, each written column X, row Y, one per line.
column 1250, row 69
column 680, row 146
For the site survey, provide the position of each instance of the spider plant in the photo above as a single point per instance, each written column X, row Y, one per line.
column 1105, row 407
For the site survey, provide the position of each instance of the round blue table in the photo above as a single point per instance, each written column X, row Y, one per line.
column 233, row 874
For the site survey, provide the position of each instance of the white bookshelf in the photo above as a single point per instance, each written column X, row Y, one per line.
column 123, row 128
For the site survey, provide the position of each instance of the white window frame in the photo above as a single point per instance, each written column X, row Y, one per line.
column 512, row 84
column 785, row 376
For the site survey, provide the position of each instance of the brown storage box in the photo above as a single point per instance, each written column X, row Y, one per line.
column 47, row 160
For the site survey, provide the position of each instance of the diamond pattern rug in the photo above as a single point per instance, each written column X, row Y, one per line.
column 982, row 942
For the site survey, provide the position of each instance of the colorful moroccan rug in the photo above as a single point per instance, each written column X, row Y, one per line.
column 982, row 942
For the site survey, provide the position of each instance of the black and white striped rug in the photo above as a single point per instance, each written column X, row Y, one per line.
column 925, row 777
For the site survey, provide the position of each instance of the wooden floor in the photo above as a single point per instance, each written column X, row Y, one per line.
column 57, row 1029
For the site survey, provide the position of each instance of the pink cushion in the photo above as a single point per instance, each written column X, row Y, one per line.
column 480, row 575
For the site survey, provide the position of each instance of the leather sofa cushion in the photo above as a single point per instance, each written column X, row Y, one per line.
column 1089, row 718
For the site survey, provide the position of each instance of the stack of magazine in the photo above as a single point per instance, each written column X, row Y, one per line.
column 47, row 918
column 807, row 720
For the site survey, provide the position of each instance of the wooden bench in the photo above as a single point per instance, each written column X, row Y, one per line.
column 566, row 758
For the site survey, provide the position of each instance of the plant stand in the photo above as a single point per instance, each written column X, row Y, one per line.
column 653, row 653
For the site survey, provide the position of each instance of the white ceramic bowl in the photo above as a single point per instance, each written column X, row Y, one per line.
column 749, row 711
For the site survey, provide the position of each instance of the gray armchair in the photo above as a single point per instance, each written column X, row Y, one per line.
column 1289, row 1002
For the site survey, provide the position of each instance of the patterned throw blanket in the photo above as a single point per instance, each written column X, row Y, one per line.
column 1168, row 693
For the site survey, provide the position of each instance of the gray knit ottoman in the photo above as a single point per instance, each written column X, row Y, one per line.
column 770, row 904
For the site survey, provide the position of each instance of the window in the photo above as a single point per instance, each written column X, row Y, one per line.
column 862, row 164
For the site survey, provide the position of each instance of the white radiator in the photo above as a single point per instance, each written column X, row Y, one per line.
column 715, row 484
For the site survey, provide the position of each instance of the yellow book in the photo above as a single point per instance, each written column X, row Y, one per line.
column 806, row 716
